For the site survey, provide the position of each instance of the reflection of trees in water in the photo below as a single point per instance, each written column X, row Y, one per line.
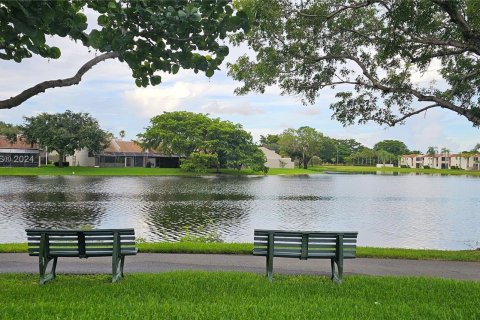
column 60, row 209
column 170, row 220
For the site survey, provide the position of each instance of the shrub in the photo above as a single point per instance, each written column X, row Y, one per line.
column 199, row 162
column 65, row 164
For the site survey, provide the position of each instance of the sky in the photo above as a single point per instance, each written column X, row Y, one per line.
column 109, row 94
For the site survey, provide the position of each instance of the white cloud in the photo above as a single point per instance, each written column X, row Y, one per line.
column 257, row 132
column 219, row 108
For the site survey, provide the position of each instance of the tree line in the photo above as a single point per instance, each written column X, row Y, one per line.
column 203, row 142
column 200, row 141
column 308, row 147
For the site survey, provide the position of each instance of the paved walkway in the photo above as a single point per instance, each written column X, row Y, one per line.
column 163, row 262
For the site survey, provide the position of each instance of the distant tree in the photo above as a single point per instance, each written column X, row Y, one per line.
column 385, row 156
column 151, row 37
column 270, row 141
column 9, row 131
column 302, row 144
column 415, row 152
column 178, row 132
column 310, row 142
column 233, row 146
column 65, row 132
column 431, row 152
column 327, row 150
column 196, row 135
column 346, row 148
column 122, row 134
column 290, row 145
column 476, row 148
column 445, row 150
column 395, row 147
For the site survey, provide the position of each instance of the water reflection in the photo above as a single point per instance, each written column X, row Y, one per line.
column 387, row 210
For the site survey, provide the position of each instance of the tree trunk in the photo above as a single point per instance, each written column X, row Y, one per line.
column 60, row 159
column 305, row 162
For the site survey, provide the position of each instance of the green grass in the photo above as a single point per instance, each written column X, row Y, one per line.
column 89, row 171
column 246, row 248
column 361, row 169
column 236, row 295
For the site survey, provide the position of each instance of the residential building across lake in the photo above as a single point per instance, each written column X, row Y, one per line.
column 465, row 161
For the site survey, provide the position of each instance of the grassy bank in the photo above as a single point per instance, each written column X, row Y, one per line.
column 236, row 295
column 88, row 171
column 363, row 169
column 246, row 248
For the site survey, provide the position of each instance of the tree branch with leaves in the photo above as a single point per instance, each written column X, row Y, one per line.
column 371, row 51
column 152, row 37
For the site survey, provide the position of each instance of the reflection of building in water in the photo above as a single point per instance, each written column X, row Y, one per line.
column 274, row 160
column 465, row 161
column 121, row 153
column 18, row 153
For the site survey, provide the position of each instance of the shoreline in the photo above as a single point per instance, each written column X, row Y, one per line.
column 90, row 171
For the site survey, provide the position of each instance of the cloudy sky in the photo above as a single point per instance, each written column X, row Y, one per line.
column 109, row 94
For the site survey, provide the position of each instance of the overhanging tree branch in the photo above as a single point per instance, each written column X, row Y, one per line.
column 41, row 87
column 408, row 115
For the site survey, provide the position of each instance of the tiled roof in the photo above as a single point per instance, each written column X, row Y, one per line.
column 6, row 144
column 123, row 146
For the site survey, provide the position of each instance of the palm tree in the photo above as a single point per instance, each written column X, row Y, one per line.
column 432, row 151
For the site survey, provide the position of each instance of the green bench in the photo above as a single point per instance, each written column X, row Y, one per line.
column 50, row 244
column 304, row 245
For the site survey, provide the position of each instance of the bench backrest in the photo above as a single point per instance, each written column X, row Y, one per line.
column 305, row 244
column 81, row 243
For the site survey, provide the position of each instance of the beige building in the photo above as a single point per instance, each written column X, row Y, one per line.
column 274, row 160
column 465, row 161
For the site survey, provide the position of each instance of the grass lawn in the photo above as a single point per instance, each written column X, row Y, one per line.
column 88, row 171
column 236, row 295
column 363, row 169
column 246, row 248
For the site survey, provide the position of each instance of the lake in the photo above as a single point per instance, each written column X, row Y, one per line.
column 411, row 211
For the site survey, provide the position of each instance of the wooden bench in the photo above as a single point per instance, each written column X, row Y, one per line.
column 49, row 244
column 304, row 245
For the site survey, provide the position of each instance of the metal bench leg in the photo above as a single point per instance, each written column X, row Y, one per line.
column 117, row 258
column 122, row 262
column 337, row 276
column 116, row 268
column 270, row 267
column 43, row 264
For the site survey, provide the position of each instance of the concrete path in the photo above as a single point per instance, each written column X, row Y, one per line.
column 163, row 262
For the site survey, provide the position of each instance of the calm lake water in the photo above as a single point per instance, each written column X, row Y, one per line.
column 415, row 211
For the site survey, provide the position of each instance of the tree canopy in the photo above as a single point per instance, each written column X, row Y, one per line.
column 395, row 147
column 152, row 37
column 203, row 141
column 373, row 51
column 65, row 132
column 304, row 143
column 9, row 131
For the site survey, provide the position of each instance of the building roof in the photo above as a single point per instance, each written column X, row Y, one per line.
column 270, row 154
column 19, row 144
column 412, row 156
column 117, row 145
